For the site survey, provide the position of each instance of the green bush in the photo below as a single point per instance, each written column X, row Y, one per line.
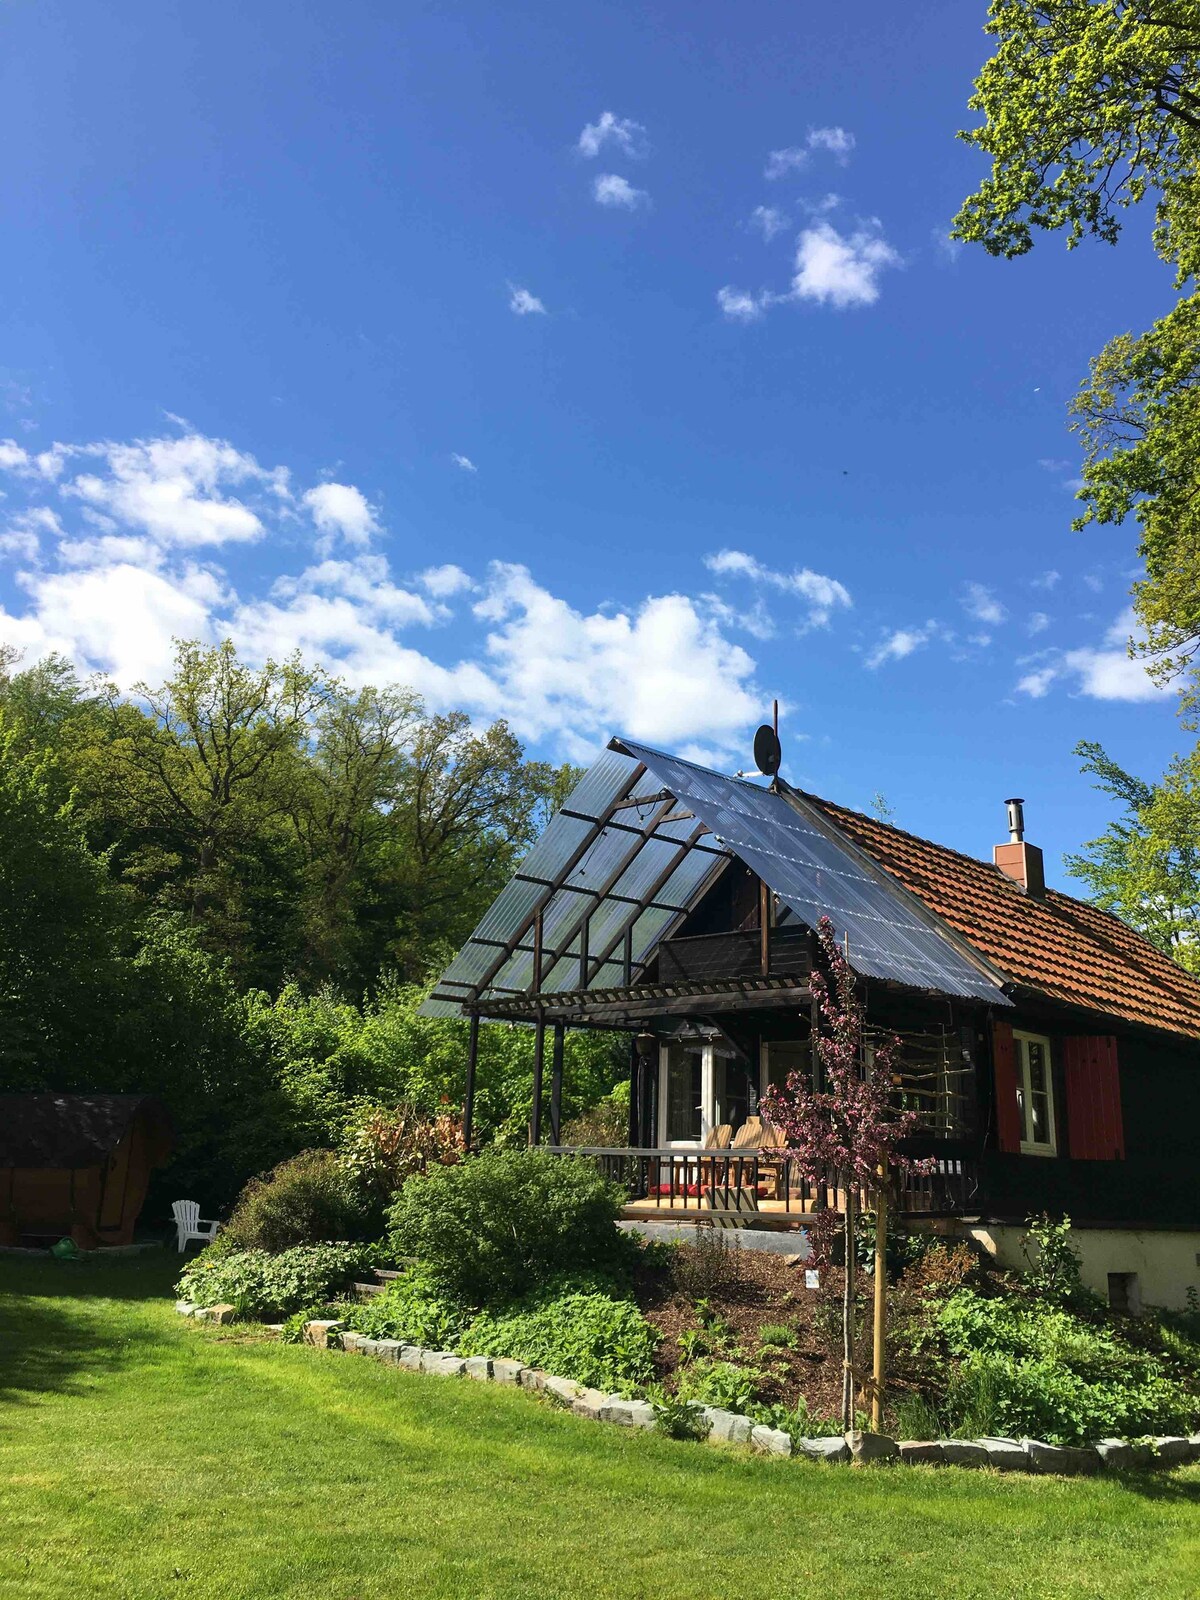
column 303, row 1201
column 506, row 1223
column 413, row 1310
column 1029, row 1367
column 597, row 1340
column 271, row 1287
column 709, row 1382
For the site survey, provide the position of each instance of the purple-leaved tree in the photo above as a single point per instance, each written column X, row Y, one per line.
column 849, row 1128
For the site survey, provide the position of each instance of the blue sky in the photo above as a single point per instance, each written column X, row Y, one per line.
column 602, row 367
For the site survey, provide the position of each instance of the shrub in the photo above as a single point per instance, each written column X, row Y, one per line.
column 678, row 1419
column 303, row 1201
column 710, row 1265
column 600, row 1341
column 503, row 1224
column 413, row 1310
column 773, row 1335
column 383, row 1148
column 271, row 1287
column 1053, row 1263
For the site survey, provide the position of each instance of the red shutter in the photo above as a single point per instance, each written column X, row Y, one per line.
column 1095, row 1127
column 1004, row 1070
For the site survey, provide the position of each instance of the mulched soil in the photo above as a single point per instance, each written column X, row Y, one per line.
column 750, row 1289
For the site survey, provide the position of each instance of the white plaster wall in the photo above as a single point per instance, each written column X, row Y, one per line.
column 1166, row 1263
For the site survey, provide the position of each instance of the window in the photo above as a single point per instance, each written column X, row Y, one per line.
column 684, row 1094
column 1035, row 1093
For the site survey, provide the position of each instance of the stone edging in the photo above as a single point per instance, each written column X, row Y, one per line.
column 729, row 1427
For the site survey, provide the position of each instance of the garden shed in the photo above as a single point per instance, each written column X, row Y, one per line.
column 77, row 1164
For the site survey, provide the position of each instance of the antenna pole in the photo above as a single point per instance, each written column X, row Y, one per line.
column 775, row 716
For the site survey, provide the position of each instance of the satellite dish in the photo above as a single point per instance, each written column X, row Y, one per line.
column 767, row 753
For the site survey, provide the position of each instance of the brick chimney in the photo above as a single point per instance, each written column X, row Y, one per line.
column 1017, row 860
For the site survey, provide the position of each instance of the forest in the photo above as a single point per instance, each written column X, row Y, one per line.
column 232, row 889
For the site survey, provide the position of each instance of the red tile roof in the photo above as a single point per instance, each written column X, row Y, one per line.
column 1061, row 947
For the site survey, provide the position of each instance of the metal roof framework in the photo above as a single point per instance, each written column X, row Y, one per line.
column 639, row 840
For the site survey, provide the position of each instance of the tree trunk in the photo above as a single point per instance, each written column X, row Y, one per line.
column 880, row 1349
column 848, row 1315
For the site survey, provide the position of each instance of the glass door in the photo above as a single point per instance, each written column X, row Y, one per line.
column 681, row 1099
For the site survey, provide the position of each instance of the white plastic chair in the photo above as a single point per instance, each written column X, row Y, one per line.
column 191, row 1225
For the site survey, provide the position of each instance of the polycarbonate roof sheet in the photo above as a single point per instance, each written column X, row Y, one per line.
column 615, row 874
column 801, row 856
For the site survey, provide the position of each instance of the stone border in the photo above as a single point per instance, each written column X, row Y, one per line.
column 730, row 1427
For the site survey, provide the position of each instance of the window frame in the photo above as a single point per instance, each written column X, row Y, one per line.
column 1029, row 1147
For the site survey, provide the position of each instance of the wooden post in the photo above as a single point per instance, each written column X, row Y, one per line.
column 539, row 1061
column 764, row 928
column 848, row 1309
column 635, row 1095
column 556, row 1084
column 877, row 1371
column 468, row 1119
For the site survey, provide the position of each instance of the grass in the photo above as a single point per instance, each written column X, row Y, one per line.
column 143, row 1457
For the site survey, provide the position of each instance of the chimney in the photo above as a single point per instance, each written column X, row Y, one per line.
column 1017, row 860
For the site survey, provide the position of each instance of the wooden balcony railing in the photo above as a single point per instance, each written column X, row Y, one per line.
column 691, row 1181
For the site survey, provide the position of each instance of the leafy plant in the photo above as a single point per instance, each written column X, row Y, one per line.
column 678, row 1419
column 709, row 1265
column 270, row 1287
column 597, row 1340
column 294, row 1326
column 505, row 1223
column 711, row 1382
column 1053, row 1263
column 303, row 1201
column 775, row 1335
column 413, row 1310
column 692, row 1342
column 384, row 1147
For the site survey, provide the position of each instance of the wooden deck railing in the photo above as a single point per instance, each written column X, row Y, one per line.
column 685, row 1181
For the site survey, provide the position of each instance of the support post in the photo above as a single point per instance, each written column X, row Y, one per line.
column 877, row 1372
column 764, row 928
column 848, row 1309
column 539, row 1062
column 468, row 1118
column 556, row 1084
column 635, row 1096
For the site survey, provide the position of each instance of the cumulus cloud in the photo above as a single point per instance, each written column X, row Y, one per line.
column 1103, row 672
column 522, row 303
column 841, row 270
column 339, row 510
column 1046, row 580
column 610, row 189
column 622, row 133
column 769, row 221
column 979, row 602
column 1037, row 622
column 822, row 595
column 118, row 576
column 465, row 462
column 743, row 305
column 780, row 162
column 832, row 141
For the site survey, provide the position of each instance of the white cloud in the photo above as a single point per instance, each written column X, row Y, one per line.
column 781, row 162
column 523, row 303
column 898, row 644
column 979, row 602
column 112, row 595
column 822, row 595
column 946, row 246
column 1037, row 622
column 838, row 269
column 339, row 509
column 741, row 305
column 442, row 582
column 769, row 220
column 464, row 462
column 837, row 141
column 626, row 135
column 610, row 189
column 1047, row 580
column 1106, row 672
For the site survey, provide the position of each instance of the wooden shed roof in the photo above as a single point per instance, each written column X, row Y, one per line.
column 73, row 1130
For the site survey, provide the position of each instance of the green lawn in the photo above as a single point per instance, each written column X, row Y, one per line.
column 143, row 1456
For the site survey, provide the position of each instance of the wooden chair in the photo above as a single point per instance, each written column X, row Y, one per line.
column 189, row 1224
column 771, row 1167
column 749, row 1135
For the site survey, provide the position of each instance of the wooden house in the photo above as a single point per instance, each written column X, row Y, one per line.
column 77, row 1165
column 1053, row 1053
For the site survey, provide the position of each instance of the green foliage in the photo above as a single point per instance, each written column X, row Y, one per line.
column 294, row 1326
column 1054, row 1264
column 678, row 1419
column 773, row 1335
column 1145, row 867
column 306, row 1199
column 1090, row 106
column 709, row 1381
column 270, row 1287
column 599, row 1341
column 505, row 1223
column 1028, row 1367
column 413, row 1310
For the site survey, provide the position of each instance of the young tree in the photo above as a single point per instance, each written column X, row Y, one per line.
column 1145, row 867
column 1090, row 106
column 848, row 1127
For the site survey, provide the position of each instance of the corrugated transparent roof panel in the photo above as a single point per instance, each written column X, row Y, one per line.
column 802, row 858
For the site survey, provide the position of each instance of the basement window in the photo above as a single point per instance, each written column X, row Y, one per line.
column 1035, row 1093
column 1124, row 1292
